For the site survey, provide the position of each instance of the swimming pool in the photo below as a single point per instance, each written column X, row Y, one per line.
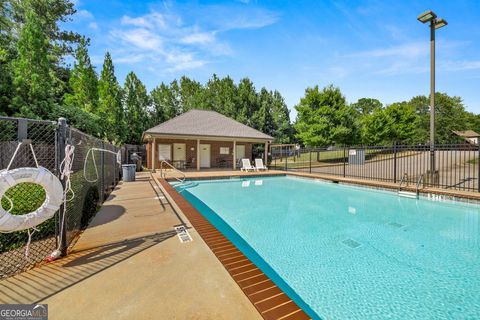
column 346, row 252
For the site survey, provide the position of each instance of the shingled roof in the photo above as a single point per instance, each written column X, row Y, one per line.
column 467, row 134
column 205, row 123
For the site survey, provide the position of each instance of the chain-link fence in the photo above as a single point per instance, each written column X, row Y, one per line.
column 95, row 173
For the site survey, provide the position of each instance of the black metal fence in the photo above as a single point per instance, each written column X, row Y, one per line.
column 92, row 179
column 456, row 166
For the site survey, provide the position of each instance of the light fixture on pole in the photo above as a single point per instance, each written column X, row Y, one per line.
column 435, row 23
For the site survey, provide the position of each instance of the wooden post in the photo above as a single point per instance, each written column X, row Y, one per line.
column 153, row 155
column 234, row 153
column 266, row 153
column 198, row 154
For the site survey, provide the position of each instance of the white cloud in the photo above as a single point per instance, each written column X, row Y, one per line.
column 407, row 50
column 139, row 38
column 182, row 39
column 408, row 58
column 199, row 37
column 93, row 25
column 460, row 65
column 84, row 14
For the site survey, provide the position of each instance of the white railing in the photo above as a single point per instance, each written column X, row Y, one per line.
column 163, row 171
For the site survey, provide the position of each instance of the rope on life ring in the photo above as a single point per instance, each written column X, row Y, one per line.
column 53, row 195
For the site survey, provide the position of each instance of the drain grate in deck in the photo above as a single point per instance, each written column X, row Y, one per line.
column 351, row 243
column 183, row 234
column 396, row 224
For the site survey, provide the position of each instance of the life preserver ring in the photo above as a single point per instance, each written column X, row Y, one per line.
column 53, row 197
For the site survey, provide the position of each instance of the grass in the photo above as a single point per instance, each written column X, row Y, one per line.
column 26, row 197
column 473, row 161
column 334, row 157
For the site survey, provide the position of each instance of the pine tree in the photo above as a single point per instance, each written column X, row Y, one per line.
column 83, row 81
column 7, row 52
column 281, row 119
column 33, row 80
column 136, row 102
column 110, row 108
column 247, row 102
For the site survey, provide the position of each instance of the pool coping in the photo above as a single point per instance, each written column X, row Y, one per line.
column 436, row 194
column 270, row 300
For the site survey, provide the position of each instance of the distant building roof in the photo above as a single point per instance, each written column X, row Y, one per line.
column 467, row 134
column 205, row 123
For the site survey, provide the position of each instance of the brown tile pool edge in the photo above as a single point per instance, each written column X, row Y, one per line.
column 270, row 301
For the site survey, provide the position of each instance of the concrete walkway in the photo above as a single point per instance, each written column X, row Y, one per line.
column 129, row 264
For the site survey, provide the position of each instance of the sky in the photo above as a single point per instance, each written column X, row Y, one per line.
column 368, row 48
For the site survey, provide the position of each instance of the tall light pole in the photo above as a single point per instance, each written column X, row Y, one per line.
column 435, row 23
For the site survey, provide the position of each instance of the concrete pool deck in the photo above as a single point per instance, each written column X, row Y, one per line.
column 130, row 264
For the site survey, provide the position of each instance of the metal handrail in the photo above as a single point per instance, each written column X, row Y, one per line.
column 175, row 169
column 418, row 183
column 405, row 175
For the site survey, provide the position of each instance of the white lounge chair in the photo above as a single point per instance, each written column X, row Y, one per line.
column 247, row 166
column 259, row 164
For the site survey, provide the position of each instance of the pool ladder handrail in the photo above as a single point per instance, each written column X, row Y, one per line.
column 404, row 178
column 162, row 172
column 418, row 184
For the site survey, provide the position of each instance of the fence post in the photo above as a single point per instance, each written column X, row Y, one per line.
column 310, row 160
column 61, row 141
column 344, row 160
column 478, row 171
column 102, row 163
column 394, row 162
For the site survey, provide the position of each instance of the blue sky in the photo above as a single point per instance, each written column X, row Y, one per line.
column 369, row 48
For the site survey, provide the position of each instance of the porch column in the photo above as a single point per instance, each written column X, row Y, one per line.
column 198, row 154
column 266, row 152
column 234, row 153
column 153, row 155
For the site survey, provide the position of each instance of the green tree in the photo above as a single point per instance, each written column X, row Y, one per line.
column 136, row 102
column 401, row 120
column 220, row 96
column 7, row 54
column 281, row 119
column 450, row 115
column 165, row 103
column 375, row 127
column 83, row 81
column 51, row 17
column 110, row 108
column 33, row 78
column 262, row 119
column 366, row 106
column 324, row 118
column 247, row 102
column 191, row 94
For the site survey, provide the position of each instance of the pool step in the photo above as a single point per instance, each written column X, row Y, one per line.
column 408, row 194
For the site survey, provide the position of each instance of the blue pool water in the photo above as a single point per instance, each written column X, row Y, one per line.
column 345, row 252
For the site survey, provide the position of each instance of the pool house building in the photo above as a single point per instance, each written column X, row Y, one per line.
column 202, row 139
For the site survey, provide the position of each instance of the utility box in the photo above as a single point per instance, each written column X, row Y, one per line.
column 356, row 156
